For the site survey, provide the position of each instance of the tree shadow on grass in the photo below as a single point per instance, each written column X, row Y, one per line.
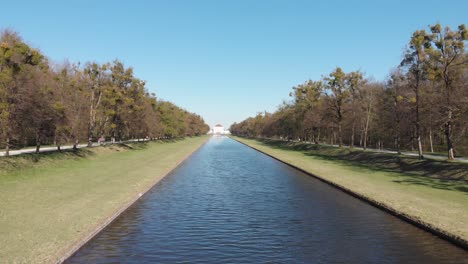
column 138, row 145
column 131, row 146
column 29, row 159
column 432, row 173
column 16, row 162
column 434, row 183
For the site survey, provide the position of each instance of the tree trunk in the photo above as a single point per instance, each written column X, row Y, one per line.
column 448, row 134
column 448, row 123
column 398, row 143
column 340, row 136
column 38, row 142
column 57, row 143
column 91, row 115
column 7, row 147
column 366, row 129
column 364, row 140
column 361, row 137
column 353, row 127
column 397, row 127
column 430, row 140
column 420, row 152
column 418, row 123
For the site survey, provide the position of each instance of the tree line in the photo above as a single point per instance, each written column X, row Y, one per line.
column 42, row 103
column 422, row 105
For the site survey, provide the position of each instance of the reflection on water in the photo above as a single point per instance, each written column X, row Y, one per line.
column 230, row 204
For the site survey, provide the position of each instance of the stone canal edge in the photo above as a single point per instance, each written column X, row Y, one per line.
column 452, row 238
column 101, row 226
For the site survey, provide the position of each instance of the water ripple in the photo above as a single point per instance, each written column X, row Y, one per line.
column 231, row 204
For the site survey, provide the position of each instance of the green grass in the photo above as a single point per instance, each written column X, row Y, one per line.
column 50, row 201
column 435, row 192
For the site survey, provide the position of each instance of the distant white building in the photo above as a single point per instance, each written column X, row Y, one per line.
column 219, row 130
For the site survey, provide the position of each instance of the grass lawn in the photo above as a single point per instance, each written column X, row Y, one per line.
column 434, row 192
column 50, row 201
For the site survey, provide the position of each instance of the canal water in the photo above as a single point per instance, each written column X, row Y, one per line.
column 231, row 204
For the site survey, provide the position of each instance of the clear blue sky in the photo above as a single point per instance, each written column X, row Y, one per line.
column 228, row 60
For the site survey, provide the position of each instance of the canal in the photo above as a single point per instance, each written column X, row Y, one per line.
column 228, row 203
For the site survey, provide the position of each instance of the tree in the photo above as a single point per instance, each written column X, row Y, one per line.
column 425, row 98
column 40, row 103
column 338, row 93
column 308, row 102
column 97, row 78
column 368, row 97
column 16, row 59
column 446, row 57
column 355, row 80
column 40, row 107
column 414, row 62
column 70, row 90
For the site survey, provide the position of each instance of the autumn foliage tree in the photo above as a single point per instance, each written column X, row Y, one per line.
column 422, row 106
column 60, row 104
